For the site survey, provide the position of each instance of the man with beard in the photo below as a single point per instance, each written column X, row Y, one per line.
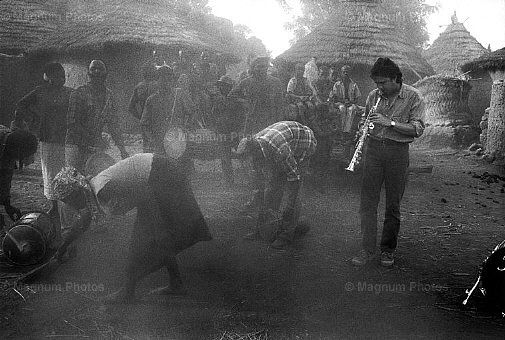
column 91, row 108
column 45, row 109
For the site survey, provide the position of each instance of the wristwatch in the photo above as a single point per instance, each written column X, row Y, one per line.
column 393, row 123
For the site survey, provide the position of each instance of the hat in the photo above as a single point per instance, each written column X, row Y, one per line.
column 225, row 80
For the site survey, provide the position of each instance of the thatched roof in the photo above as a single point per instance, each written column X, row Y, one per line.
column 358, row 36
column 492, row 61
column 454, row 47
column 24, row 23
column 93, row 24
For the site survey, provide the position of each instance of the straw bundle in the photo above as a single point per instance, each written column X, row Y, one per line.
column 446, row 100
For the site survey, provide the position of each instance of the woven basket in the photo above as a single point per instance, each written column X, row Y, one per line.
column 446, row 100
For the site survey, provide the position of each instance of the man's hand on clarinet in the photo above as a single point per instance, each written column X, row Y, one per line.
column 378, row 118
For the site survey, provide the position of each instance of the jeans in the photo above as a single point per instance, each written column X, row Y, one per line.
column 274, row 190
column 384, row 162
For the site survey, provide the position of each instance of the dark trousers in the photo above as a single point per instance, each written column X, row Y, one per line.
column 383, row 163
column 321, row 158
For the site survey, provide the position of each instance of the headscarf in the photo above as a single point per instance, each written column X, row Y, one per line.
column 67, row 181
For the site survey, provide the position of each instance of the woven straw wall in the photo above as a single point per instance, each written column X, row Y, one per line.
column 446, row 100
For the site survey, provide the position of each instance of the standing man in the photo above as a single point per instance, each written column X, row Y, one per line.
column 263, row 95
column 345, row 95
column 227, row 115
column 158, row 113
column 278, row 152
column 311, row 71
column 299, row 94
column 397, row 120
column 323, row 85
column 14, row 146
column 142, row 91
column 45, row 109
column 91, row 108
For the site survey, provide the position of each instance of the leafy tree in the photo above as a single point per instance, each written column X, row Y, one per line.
column 246, row 44
column 409, row 16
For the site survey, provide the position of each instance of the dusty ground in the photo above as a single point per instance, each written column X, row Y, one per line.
column 244, row 290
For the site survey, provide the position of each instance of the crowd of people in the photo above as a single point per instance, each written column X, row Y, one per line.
column 282, row 130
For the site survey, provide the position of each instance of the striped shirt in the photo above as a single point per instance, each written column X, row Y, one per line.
column 287, row 143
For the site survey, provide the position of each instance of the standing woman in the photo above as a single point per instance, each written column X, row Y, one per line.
column 45, row 110
column 168, row 217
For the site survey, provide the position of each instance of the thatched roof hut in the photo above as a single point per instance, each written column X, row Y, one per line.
column 122, row 33
column 94, row 25
column 454, row 47
column 64, row 26
column 358, row 37
column 493, row 62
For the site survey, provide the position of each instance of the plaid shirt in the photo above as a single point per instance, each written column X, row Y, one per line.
column 287, row 143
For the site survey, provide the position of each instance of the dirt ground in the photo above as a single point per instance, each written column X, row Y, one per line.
column 237, row 289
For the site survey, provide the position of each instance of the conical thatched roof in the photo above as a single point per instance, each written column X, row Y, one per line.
column 453, row 48
column 93, row 24
column 358, row 36
column 492, row 61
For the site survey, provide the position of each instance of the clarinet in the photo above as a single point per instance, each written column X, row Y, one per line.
column 367, row 125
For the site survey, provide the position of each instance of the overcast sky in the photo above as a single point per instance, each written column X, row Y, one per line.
column 484, row 19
